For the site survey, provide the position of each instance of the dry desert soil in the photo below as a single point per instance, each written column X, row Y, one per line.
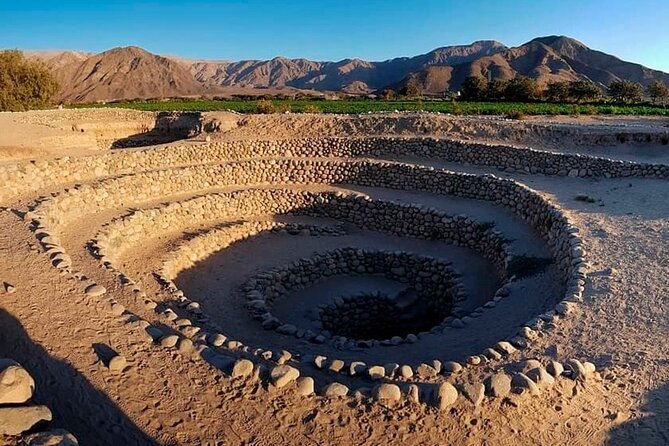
column 413, row 279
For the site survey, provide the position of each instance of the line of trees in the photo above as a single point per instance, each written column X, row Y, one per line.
column 24, row 84
column 525, row 89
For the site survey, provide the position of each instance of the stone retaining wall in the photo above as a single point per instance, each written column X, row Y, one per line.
column 22, row 178
column 52, row 214
column 376, row 215
column 433, row 280
column 195, row 249
column 531, row 207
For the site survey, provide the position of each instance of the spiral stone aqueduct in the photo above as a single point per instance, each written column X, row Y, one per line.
column 402, row 273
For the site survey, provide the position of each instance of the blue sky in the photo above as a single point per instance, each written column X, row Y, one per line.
column 333, row 29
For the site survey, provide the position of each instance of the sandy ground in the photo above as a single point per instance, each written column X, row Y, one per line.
column 167, row 398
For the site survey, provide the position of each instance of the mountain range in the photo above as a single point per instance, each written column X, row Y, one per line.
column 132, row 72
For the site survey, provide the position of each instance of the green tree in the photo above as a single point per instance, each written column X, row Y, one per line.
column 496, row 89
column 24, row 84
column 658, row 92
column 583, row 91
column 474, row 88
column 522, row 89
column 626, row 91
column 557, row 92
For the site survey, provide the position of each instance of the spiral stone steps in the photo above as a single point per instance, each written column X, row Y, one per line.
column 28, row 177
column 52, row 217
column 383, row 241
column 169, row 247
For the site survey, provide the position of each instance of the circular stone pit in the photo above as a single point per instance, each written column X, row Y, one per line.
column 374, row 316
column 550, row 223
column 427, row 298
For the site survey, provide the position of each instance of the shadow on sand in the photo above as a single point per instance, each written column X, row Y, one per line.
column 652, row 429
column 77, row 406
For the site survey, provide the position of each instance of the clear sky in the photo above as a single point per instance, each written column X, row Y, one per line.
column 634, row 30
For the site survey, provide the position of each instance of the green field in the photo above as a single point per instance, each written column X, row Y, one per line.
column 370, row 105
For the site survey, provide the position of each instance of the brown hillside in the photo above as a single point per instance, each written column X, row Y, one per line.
column 124, row 73
column 546, row 59
column 346, row 75
column 127, row 73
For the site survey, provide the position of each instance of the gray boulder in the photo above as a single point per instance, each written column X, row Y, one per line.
column 498, row 385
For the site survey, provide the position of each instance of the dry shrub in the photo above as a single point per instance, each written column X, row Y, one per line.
column 591, row 110
column 514, row 114
column 282, row 108
column 457, row 109
column 585, row 198
column 265, row 107
column 574, row 110
column 311, row 108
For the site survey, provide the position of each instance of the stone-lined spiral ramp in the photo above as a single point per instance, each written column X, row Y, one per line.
column 263, row 210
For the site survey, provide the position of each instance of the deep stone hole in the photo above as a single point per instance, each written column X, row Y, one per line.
column 428, row 297
column 378, row 316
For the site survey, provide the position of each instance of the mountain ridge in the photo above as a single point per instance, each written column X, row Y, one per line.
column 132, row 72
column 545, row 59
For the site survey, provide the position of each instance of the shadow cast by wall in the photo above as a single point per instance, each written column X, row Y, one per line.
column 168, row 127
column 77, row 406
column 652, row 429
